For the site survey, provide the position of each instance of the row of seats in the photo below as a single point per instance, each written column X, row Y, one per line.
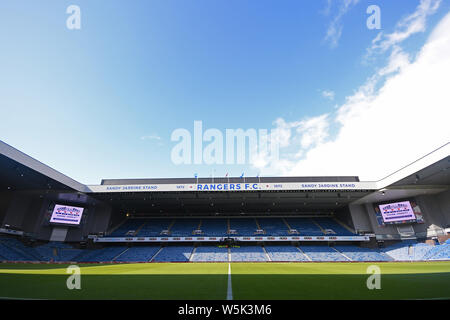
column 333, row 226
column 441, row 252
column 174, row 254
column 138, row 254
column 11, row 249
column 285, row 253
column 356, row 253
column 248, row 254
column 100, row 255
column 408, row 251
column 210, row 254
column 322, row 253
column 222, row 227
column 131, row 225
column 14, row 250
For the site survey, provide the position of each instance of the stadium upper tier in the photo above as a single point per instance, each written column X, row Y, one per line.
column 223, row 227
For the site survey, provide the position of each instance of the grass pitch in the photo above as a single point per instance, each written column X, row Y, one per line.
column 187, row 281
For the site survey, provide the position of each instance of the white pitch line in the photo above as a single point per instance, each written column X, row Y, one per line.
column 229, row 289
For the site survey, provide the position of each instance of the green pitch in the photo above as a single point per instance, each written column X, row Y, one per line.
column 421, row 280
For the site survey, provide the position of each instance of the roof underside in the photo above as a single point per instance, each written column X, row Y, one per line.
column 228, row 180
column 16, row 176
column 436, row 174
column 250, row 202
column 19, row 171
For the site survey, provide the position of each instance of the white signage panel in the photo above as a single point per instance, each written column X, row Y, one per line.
column 231, row 187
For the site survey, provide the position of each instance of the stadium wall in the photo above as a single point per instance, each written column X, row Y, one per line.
column 117, row 217
column 360, row 218
column 344, row 215
column 97, row 220
column 29, row 212
column 444, row 201
column 32, row 220
column 5, row 199
column 17, row 209
column 25, row 212
column 435, row 209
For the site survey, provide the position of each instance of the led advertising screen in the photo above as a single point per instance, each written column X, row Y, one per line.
column 397, row 212
column 66, row 214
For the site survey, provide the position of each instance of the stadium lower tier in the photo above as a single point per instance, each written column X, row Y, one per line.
column 12, row 249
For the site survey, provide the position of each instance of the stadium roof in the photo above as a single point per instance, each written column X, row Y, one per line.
column 227, row 180
column 19, row 171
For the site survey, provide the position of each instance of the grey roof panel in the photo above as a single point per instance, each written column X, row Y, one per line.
column 226, row 180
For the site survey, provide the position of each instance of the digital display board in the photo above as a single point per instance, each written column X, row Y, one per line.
column 397, row 212
column 66, row 214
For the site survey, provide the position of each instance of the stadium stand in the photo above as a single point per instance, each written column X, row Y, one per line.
column 408, row 250
column 184, row 227
column 331, row 224
column 68, row 254
column 285, row 253
column 322, row 253
column 439, row 252
column 14, row 250
column 356, row 253
column 398, row 251
column 47, row 252
column 305, row 226
column 174, row 254
column 273, row 226
column 210, row 254
column 420, row 250
column 248, row 253
column 9, row 254
column 154, row 227
column 214, row 227
column 106, row 254
column 138, row 254
column 129, row 226
column 243, row 226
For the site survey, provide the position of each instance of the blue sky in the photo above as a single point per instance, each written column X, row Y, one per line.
column 102, row 101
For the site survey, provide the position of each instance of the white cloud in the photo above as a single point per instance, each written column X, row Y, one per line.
column 335, row 27
column 307, row 133
column 378, row 130
column 294, row 137
column 411, row 24
column 313, row 131
column 326, row 11
column 328, row 94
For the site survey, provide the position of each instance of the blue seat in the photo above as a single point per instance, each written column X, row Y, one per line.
column 138, row 254
column 363, row 254
column 248, row 253
column 284, row 253
column 273, row 226
column 174, row 254
column 322, row 253
column 210, row 253
column 214, row 227
column 243, row 226
column 331, row 224
column 305, row 226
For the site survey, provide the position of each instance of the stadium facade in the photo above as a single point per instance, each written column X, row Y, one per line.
column 44, row 213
